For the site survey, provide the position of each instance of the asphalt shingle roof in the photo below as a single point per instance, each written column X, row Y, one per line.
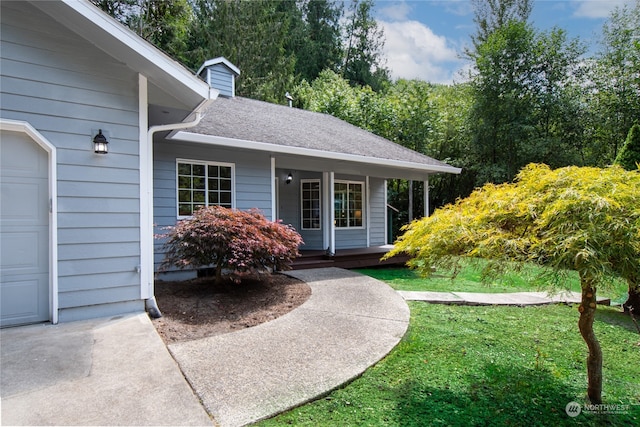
column 251, row 120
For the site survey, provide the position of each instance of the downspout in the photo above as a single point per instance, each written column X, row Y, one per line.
column 150, row 303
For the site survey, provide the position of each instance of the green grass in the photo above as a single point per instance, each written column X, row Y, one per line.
column 469, row 279
column 477, row 366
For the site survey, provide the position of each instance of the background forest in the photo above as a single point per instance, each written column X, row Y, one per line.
column 529, row 95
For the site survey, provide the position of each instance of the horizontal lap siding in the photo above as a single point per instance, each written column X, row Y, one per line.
column 252, row 181
column 221, row 78
column 378, row 206
column 351, row 238
column 67, row 89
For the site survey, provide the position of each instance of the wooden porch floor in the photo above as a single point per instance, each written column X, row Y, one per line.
column 347, row 258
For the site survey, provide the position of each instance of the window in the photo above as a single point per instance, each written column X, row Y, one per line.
column 348, row 204
column 310, row 204
column 203, row 184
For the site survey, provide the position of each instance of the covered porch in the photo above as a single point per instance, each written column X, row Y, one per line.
column 347, row 258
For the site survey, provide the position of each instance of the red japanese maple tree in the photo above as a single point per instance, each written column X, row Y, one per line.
column 236, row 240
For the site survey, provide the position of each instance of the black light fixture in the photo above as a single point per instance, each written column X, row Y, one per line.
column 100, row 143
column 289, row 178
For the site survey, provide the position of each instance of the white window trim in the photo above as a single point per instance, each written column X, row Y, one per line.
column 364, row 204
column 205, row 163
column 302, row 181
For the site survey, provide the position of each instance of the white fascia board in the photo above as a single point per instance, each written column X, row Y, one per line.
column 330, row 155
column 219, row 60
column 109, row 35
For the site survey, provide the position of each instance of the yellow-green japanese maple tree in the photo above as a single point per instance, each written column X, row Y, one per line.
column 575, row 218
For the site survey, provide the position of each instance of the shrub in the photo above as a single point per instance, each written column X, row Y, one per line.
column 629, row 155
column 241, row 241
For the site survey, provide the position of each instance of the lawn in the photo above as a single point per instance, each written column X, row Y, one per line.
column 470, row 366
column 469, row 279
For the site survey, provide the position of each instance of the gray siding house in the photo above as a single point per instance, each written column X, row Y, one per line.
column 320, row 174
column 77, row 225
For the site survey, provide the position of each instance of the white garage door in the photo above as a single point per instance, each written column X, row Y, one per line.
column 24, row 230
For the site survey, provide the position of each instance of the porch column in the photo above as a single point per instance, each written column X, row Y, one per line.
column 367, row 209
column 274, row 189
column 426, row 197
column 328, row 214
column 386, row 211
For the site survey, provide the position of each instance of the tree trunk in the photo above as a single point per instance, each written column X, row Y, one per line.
column 218, row 273
column 633, row 302
column 594, row 359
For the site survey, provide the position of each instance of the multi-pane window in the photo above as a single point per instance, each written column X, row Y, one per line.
column 310, row 204
column 348, row 204
column 203, row 184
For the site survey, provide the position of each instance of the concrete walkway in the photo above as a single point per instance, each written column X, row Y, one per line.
column 349, row 323
column 111, row 371
column 117, row 371
column 513, row 298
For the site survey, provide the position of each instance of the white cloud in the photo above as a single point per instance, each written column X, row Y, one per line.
column 596, row 8
column 458, row 7
column 414, row 51
column 396, row 11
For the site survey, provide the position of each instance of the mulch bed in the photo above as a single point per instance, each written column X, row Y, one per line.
column 199, row 308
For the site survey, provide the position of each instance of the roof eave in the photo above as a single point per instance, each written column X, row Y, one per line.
column 328, row 155
column 219, row 60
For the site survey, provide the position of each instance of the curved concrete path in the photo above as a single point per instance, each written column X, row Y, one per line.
column 349, row 323
column 117, row 371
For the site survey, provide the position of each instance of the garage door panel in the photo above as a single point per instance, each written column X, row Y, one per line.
column 23, row 301
column 24, row 202
column 24, row 230
column 23, row 157
column 24, row 252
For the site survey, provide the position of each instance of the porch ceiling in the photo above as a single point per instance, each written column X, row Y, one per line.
column 306, row 163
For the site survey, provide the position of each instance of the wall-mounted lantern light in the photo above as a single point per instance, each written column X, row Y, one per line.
column 100, row 143
column 289, row 178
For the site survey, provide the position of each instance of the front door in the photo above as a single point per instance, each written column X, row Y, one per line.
column 24, row 230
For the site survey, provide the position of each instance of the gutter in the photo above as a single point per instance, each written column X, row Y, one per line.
column 311, row 152
column 150, row 303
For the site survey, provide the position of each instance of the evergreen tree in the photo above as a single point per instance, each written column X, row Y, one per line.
column 250, row 34
column 363, row 61
column 629, row 155
column 164, row 23
column 320, row 42
column 615, row 100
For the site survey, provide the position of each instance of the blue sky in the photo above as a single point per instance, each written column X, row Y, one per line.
column 424, row 37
